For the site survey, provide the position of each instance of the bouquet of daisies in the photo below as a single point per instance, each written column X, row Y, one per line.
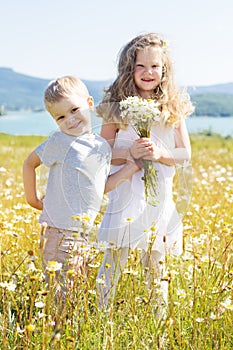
column 141, row 113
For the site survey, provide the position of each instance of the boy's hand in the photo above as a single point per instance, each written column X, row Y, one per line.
column 38, row 204
column 137, row 164
column 41, row 202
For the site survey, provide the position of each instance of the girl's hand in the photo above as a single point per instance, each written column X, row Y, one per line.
column 154, row 153
column 141, row 148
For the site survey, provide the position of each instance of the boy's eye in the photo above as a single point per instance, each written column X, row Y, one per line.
column 60, row 118
column 75, row 109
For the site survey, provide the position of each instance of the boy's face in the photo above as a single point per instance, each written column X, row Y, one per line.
column 72, row 114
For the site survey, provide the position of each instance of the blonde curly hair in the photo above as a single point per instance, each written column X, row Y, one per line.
column 174, row 103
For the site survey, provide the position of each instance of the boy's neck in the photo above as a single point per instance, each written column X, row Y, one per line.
column 84, row 133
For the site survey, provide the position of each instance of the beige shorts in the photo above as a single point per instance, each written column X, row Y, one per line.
column 64, row 247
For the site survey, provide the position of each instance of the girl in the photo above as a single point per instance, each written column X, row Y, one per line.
column 144, row 70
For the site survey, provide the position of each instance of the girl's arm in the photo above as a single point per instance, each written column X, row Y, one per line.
column 119, row 155
column 179, row 154
column 29, row 180
column 121, row 175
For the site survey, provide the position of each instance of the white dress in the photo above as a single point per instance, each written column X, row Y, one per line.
column 128, row 218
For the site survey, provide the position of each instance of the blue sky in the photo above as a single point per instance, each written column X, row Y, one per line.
column 51, row 38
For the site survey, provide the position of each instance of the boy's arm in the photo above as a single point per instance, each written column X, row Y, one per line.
column 121, row 175
column 29, row 180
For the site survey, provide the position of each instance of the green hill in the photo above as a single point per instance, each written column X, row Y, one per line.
column 19, row 91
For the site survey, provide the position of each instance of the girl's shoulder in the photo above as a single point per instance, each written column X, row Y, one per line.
column 109, row 131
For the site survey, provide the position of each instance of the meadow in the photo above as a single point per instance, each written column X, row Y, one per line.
column 200, row 311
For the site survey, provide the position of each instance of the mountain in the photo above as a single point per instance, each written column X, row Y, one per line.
column 19, row 91
column 213, row 100
column 215, row 89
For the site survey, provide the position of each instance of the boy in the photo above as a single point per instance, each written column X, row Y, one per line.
column 79, row 163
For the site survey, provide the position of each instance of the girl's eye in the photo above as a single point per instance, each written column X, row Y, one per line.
column 139, row 65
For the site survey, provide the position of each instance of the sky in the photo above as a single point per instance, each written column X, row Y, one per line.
column 52, row 38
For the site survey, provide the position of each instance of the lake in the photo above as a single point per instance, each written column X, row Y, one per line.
column 41, row 123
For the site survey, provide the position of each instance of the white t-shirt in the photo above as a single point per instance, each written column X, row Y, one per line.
column 79, row 168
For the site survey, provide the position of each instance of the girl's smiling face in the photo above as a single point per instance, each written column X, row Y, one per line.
column 148, row 70
column 72, row 114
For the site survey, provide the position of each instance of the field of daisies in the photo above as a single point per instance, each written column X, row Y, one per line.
column 200, row 311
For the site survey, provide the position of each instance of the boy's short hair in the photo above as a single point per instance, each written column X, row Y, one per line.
column 62, row 88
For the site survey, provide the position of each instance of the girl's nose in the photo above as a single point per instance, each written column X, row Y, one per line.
column 149, row 70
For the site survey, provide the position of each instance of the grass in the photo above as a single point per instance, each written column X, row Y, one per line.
column 200, row 307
